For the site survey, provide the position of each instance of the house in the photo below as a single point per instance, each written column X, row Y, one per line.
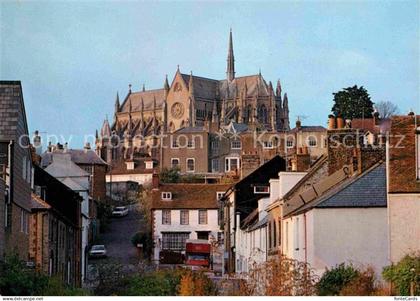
column 77, row 179
column 185, row 211
column 240, row 201
column 125, row 192
column 55, row 229
column 15, row 168
column 342, row 218
column 403, row 162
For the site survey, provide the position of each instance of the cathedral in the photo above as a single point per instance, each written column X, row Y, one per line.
column 192, row 101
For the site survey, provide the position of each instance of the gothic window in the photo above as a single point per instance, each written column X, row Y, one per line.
column 247, row 115
column 262, row 114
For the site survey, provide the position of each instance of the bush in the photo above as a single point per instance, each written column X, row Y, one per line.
column 361, row 285
column 145, row 239
column 196, row 284
column 159, row 283
column 169, row 175
column 334, row 280
column 18, row 280
column 403, row 274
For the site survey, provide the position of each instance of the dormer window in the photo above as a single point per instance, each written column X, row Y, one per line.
column 130, row 165
column 268, row 144
column 236, row 144
column 149, row 164
column 261, row 189
column 166, row 196
column 219, row 195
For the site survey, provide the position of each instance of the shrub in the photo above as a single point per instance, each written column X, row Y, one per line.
column 361, row 285
column 405, row 273
column 169, row 175
column 334, row 280
column 159, row 283
column 196, row 284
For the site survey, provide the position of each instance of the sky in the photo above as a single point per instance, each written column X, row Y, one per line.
column 74, row 56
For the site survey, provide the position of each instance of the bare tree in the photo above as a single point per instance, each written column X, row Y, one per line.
column 386, row 109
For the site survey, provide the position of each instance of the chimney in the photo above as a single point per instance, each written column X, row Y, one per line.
column 155, row 181
column 301, row 161
column 340, row 122
column 49, row 148
column 376, row 117
column 87, row 146
column 331, row 122
column 298, row 124
column 37, row 143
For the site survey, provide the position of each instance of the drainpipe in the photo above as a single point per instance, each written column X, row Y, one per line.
column 306, row 238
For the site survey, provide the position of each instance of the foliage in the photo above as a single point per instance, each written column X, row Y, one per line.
column 352, row 102
column 279, row 276
column 145, row 239
column 169, row 175
column 386, row 109
column 159, row 283
column 18, row 280
column 104, row 213
column 334, row 280
column 403, row 274
column 196, row 284
column 110, row 277
column 361, row 285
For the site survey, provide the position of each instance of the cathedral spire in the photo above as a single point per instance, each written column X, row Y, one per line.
column 117, row 104
column 278, row 89
column 230, row 71
column 166, row 84
column 144, row 88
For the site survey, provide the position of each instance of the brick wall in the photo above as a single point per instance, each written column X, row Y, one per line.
column 99, row 182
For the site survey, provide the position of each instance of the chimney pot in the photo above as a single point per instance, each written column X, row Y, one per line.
column 331, row 122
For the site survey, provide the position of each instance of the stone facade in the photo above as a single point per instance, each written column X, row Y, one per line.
column 191, row 101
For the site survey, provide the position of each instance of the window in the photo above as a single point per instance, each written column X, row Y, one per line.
column 220, row 237
column 215, row 165
column 311, row 141
column 275, row 234
column 286, row 235
column 232, row 164
column 269, row 235
column 202, row 217
column 24, row 221
column 190, row 165
column 166, row 217
column 175, row 163
column 184, row 217
column 219, row 194
column 174, row 240
column 236, row 144
column 191, row 143
column 166, row 196
column 175, row 143
column 290, row 143
column 259, row 189
column 215, row 144
column 268, row 144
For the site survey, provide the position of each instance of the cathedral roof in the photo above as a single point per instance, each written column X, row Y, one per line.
column 148, row 99
column 203, row 87
column 255, row 85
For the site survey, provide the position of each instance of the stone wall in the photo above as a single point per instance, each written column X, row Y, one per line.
column 2, row 208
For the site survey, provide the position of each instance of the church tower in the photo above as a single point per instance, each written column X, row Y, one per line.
column 230, row 70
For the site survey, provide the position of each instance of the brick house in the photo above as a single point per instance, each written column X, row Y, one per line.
column 184, row 211
column 404, row 186
column 15, row 168
column 55, row 229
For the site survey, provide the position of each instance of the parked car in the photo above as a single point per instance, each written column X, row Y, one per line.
column 120, row 211
column 97, row 251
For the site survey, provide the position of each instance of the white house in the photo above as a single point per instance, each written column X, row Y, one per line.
column 78, row 180
column 342, row 218
column 403, row 164
column 185, row 211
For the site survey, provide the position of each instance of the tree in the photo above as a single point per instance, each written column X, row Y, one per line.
column 386, row 109
column 405, row 275
column 169, row 175
column 352, row 102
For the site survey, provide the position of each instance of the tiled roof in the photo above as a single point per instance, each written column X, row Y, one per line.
column 203, row 87
column 61, row 166
column 254, row 84
column 364, row 190
column 402, row 155
column 148, row 98
column 188, row 196
column 260, row 224
column 120, row 167
column 78, row 156
column 309, row 128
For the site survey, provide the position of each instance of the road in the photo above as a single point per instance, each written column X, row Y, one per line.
column 117, row 240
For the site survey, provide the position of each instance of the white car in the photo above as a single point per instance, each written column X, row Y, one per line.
column 97, row 251
column 120, row 211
